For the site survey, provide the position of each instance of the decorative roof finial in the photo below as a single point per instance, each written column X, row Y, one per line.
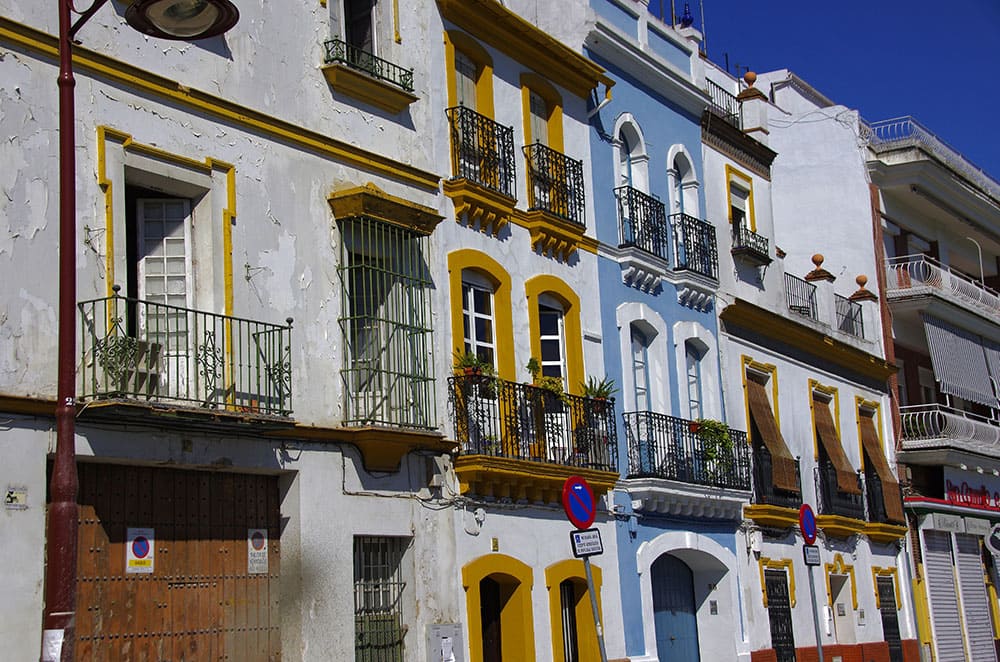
column 687, row 20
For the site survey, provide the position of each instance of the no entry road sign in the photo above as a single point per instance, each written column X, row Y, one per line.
column 579, row 502
column 807, row 522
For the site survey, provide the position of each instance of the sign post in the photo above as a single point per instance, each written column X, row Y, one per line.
column 810, row 554
column 581, row 509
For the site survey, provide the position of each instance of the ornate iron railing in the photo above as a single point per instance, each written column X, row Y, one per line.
column 141, row 350
column 874, row 498
column 642, row 221
column 662, row 446
column 482, row 150
column 831, row 501
column 849, row 316
column 724, row 104
column 339, row 51
column 556, row 183
column 937, row 426
column 749, row 242
column 764, row 490
column 912, row 275
column 507, row 419
column 800, row 296
column 695, row 246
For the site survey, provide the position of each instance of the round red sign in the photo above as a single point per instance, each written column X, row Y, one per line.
column 579, row 502
column 807, row 522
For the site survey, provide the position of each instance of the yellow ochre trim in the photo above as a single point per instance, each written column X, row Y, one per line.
column 136, row 79
column 777, row 517
column 586, row 633
column 468, row 258
column 455, row 40
column 921, row 609
column 838, row 567
column 765, row 563
column 771, row 371
column 398, row 38
column 371, row 201
column 554, row 105
column 548, row 284
column 516, row 618
column 886, row 572
column 834, row 395
column 731, row 174
column 859, row 404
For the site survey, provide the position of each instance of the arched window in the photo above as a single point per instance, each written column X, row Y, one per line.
column 640, row 368
column 682, row 181
column 552, row 337
column 631, row 155
column 478, row 319
column 694, row 351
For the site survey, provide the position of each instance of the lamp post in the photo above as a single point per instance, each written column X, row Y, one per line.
column 168, row 19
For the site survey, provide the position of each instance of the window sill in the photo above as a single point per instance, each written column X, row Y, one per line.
column 486, row 210
column 524, row 480
column 839, row 526
column 552, row 235
column 777, row 517
column 363, row 87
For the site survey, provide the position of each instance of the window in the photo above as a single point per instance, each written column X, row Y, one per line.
column 776, row 472
column 466, row 75
column 738, row 205
column 740, row 193
column 378, row 591
column 692, row 356
column 682, row 182
column 359, row 24
column 640, row 369
column 568, row 600
column 552, row 338
column 631, row 155
column 386, row 324
column 477, row 317
column 539, row 118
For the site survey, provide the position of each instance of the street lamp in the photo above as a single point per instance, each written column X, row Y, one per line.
column 168, row 19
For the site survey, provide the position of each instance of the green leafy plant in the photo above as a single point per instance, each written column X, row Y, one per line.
column 716, row 445
column 598, row 389
column 470, row 362
column 553, row 385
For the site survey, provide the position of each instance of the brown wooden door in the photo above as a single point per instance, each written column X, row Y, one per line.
column 200, row 602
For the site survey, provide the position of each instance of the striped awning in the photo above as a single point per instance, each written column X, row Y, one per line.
column 959, row 361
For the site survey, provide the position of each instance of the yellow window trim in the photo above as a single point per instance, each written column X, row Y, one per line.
column 516, row 620
column 764, row 369
column 371, row 201
column 107, row 134
column 861, row 403
column 547, row 284
column 834, row 395
column 553, row 101
column 586, row 633
column 838, row 567
column 886, row 572
column 734, row 174
column 456, row 40
column 467, row 258
column 765, row 563
column 133, row 78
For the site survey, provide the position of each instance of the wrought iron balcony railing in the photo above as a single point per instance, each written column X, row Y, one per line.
column 875, row 510
column 831, row 501
column 153, row 352
column 800, row 296
column 695, row 246
column 913, row 275
column 642, row 222
column 340, row 52
column 724, row 104
column 764, row 490
column 556, row 183
column 748, row 243
column 662, row 446
column 507, row 419
column 482, row 150
column 849, row 318
column 937, row 426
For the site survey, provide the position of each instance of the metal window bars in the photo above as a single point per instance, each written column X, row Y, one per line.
column 764, row 490
column 642, row 222
column 662, row 446
column 800, row 295
column 386, row 325
column 749, row 243
column 849, row 318
column 695, row 245
column 378, row 593
column 340, row 52
column 482, row 150
column 831, row 501
column 134, row 349
column 556, row 183
column 724, row 104
column 506, row 419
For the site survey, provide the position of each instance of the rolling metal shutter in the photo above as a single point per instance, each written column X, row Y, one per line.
column 943, row 596
column 975, row 604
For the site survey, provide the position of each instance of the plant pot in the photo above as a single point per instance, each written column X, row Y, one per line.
column 693, row 427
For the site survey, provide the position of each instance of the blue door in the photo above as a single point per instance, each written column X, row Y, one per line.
column 674, row 610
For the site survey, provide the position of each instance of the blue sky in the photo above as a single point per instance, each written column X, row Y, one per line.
column 937, row 61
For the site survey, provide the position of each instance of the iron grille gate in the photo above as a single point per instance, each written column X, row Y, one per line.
column 890, row 618
column 779, row 612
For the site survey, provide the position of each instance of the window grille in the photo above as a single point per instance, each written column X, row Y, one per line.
column 386, row 325
column 378, row 590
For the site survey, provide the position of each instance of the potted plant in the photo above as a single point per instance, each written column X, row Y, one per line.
column 469, row 363
column 598, row 390
column 552, row 386
column 716, row 445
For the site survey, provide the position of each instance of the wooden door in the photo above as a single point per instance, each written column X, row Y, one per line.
column 200, row 601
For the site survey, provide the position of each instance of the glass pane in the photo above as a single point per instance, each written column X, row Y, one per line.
column 550, row 350
column 482, row 300
column 484, row 329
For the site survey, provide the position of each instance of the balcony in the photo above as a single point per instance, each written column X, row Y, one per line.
column 832, row 501
column 367, row 77
column 934, row 426
column 152, row 353
column 671, row 448
column 764, row 491
column 849, row 318
column 556, row 184
column 919, row 275
column 504, row 419
column 482, row 150
column 724, row 104
column 800, row 295
column 340, row 52
column 695, row 246
column 750, row 246
column 642, row 222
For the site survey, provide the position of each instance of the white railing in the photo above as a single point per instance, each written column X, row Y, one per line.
column 920, row 274
column 930, row 425
column 906, row 131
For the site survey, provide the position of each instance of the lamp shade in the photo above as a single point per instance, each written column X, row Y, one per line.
column 182, row 19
